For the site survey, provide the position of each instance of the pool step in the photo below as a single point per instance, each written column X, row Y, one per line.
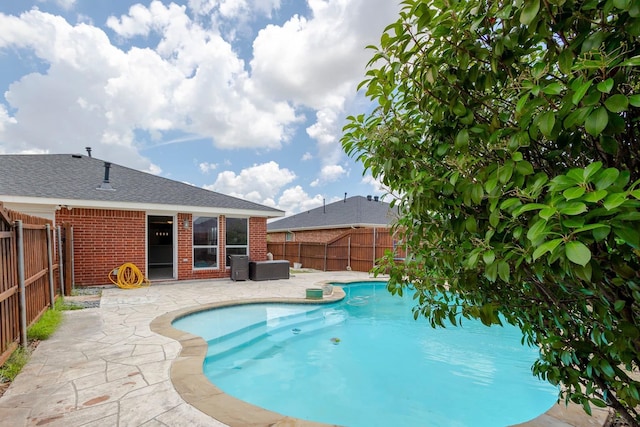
column 261, row 337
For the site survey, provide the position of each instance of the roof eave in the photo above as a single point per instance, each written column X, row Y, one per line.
column 156, row 207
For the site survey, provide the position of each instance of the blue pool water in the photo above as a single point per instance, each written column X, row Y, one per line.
column 366, row 362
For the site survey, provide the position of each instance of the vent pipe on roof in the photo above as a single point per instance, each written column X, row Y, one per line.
column 88, row 151
column 106, row 185
column 324, row 207
column 345, row 197
column 369, row 197
column 375, row 198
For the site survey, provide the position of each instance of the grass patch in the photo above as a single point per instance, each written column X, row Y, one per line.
column 47, row 324
column 14, row 365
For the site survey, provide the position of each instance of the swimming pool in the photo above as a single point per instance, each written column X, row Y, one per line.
column 307, row 360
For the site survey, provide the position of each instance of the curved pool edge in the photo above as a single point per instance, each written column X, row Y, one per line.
column 188, row 378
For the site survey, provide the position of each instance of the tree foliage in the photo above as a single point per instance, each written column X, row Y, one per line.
column 508, row 132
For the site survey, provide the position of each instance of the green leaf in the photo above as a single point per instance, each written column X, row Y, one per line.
column 573, row 193
column 504, row 271
column 606, row 369
column 546, row 122
column 505, row 172
column 590, row 170
column 471, row 225
column 631, row 62
column 476, row 193
column 524, row 168
column 547, row 213
column 548, row 246
column 605, row 86
column 622, row 4
column 491, row 272
column 591, row 227
column 614, row 200
column 596, row 121
column 573, row 208
column 599, row 234
column 565, row 61
column 578, row 253
column 462, row 139
column 529, row 12
column 634, row 100
column 494, row 218
column 526, row 208
column 580, row 92
column 629, row 235
column 488, row 257
column 606, row 178
column 595, row 196
column 553, row 89
column 617, row 103
column 598, row 402
column 537, row 230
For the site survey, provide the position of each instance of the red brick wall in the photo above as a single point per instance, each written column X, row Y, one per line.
column 257, row 239
column 104, row 239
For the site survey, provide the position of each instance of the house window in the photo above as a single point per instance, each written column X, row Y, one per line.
column 205, row 242
column 237, row 237
column 288, row 237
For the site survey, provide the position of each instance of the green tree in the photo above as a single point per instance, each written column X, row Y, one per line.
column 508, row 131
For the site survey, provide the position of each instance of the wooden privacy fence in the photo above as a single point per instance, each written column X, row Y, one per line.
column 29, row 275
column 357, row 250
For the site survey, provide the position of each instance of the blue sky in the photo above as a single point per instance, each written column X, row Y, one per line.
column 243, row 97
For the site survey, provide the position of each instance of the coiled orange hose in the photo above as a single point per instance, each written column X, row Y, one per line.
column 128, row 276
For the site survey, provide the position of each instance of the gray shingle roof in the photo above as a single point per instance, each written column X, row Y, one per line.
column 353, row 211
column 77, row 177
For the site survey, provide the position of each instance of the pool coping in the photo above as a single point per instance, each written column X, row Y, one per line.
column 188, row 378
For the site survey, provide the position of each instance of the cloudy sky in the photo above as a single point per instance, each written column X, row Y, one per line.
column 243, row 97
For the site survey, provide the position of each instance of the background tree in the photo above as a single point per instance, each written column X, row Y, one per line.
column 508, row 131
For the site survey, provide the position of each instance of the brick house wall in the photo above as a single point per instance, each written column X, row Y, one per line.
column 308, row 236
column 104, row 239
column 257, row 239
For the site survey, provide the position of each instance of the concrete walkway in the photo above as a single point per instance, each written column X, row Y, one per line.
column 105, row 366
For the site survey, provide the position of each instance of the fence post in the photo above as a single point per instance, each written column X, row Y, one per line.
column 52, row 294
column 325, row 258
column 60, row 263
column 22, row 304
column 373, row 265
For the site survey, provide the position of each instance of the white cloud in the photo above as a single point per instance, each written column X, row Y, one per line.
column 206, row 167
column 306, row 156
column 234, row 8
column 332, row 173
column 294, row 200
column 256, row 183
column 328, row 174
column 93, row 91
column 318, row 62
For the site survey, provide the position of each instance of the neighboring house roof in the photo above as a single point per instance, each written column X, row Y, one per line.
column 76, row 181
column 356, row 211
